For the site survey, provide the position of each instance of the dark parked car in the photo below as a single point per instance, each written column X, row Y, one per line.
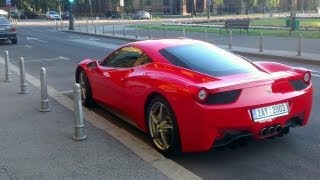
column 65, row 15
column 29, row 15
column 7, row 31
column 14, row 15
column 113, row 15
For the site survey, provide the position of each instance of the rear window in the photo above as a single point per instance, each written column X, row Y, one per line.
column 4, row 21
column 207, row 59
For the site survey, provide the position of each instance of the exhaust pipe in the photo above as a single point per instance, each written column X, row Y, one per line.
column 271, row 130
column 278, row 128
column 264, row 132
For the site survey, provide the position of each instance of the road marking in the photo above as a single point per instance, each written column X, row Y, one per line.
column 51, row 59
column 35, row 39
column 316, row 75
column 28, row 46
column 65, row 92
column 137, row 146
column 37, row 30
column 94, row 39
column 94, row 43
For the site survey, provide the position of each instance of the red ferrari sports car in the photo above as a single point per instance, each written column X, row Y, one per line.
column 191, row 96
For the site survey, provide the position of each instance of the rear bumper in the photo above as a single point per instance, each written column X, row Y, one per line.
column 8, row 35
column 205, row 127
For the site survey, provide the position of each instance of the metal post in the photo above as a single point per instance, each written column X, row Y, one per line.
column 261, row 42
column 103, row 29
column 87, row 26
column 124, row 31
column 113, row 30
column 44, row 92
column 23, row 83
column 79, row 27
column 166, row 33
column 150, row 36
column 137, row 32
column 56, row 24
column 230, row 40
column 183, row 32
column 95, row 29
column 61, row 26
column 7, row 68
column 79, row 134
column 299, row 45
column 206, row 35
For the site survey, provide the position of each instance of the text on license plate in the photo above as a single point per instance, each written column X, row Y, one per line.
column 264, row 113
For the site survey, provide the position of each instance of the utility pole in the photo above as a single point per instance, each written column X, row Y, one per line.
column 90, row 4
column 209, row 8
column 71, row 18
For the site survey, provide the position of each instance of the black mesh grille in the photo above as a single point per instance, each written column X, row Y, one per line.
column 298, row 84
column 223, row 97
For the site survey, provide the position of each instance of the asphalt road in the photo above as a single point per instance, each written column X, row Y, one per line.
column 294, row 156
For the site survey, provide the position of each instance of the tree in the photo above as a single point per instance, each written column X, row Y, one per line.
column 219, row 4
column 249, row 4
column 273, row 3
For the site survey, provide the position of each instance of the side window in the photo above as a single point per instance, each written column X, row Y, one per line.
column 126, row 57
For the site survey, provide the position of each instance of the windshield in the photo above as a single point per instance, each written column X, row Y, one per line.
column 4, row 21
column 207, row 59
column 53, row 12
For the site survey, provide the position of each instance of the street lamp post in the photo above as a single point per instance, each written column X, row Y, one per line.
column 71, row 17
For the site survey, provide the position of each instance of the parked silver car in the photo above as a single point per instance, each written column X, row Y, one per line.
column 141, row 15
column 51, row 15
column 7, row 31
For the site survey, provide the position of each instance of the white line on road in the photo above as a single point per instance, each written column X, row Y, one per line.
column 316, row 75
column 65, row 92
column 94, row 39
column 137, row 146
column 35, row 39
column 94, row 43
column 49, row 59
column 28, row 46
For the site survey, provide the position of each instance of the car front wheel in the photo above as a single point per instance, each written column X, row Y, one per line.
column 162, row 126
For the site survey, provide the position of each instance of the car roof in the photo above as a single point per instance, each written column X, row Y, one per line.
column 158, row 44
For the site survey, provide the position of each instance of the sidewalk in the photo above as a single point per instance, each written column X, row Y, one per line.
column 37, row 145
column 273, row 47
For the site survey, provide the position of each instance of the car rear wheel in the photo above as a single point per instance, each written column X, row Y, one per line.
column 14, row 41
column 162, row 126
column 86, row 94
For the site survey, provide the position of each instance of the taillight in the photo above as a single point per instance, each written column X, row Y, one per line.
column 199, row 93
column 202, row 95
column 13, row 29
column 307, row 77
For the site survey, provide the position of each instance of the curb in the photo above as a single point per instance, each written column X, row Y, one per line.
column 297, row 59
column 273, row 56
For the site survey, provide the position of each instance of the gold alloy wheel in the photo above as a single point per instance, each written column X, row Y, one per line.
column 82, row 82
column 160, row 126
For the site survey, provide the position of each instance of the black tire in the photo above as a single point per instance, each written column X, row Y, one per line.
column 173, row 140
column 14, row 41
column 86, row 93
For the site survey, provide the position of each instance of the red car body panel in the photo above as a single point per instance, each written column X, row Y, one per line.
column 127, row 90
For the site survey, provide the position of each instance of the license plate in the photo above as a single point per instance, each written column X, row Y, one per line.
column 269, row 112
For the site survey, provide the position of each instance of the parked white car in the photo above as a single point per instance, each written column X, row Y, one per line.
column 51, row 15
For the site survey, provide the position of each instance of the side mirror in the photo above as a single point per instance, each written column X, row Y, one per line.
column 92, row 65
